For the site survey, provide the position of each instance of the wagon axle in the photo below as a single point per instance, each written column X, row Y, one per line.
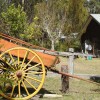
column 19, row 74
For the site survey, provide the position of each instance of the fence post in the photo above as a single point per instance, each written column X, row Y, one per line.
column 71, row 61
column 64, row 79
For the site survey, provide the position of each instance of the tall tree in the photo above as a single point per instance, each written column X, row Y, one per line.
column 62, row 17
column 52, row 17
column 76, row 16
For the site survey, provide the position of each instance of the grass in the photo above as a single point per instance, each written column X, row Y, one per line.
column 79, row 90
column 82, row 66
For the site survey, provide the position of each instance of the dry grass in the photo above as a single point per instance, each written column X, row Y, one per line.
column 79, row 90
column 82, row 66
column 87, row 66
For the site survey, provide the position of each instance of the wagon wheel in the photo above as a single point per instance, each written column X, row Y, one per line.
column 26, row 72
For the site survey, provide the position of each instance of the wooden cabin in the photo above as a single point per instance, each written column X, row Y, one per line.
column 90, row 38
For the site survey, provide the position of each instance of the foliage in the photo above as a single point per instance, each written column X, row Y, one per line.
column 5, row 82
column 31, row 19
column 59, row 18
column 3, row 5
column 15, row 20
column 76, row 16
column 93, row 6
column 52, row 18
column 15, row 24
column 28, row 6
column 32, row 31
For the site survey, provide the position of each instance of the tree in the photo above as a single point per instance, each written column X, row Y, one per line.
column 32, row 32
column 3, row 7
column 52, row 17
column 2, row 3
column 93, row 6
column 28, row 6
column 15, row 20
column 76, row 16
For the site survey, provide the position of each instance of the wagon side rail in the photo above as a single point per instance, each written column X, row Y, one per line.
column 49, row 60
column 21, row 42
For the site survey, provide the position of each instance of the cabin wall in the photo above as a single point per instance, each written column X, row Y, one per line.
column 92, row 35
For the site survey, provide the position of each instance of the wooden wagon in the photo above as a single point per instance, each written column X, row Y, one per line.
column 23, row 68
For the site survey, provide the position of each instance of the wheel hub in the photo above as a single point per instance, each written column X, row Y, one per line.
column 19, row 74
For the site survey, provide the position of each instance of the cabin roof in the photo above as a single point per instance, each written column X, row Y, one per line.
column 91, row 30
column 96, row 17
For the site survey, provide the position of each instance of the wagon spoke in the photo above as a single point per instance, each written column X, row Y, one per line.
column 34, row 73
column 12, row 78
column 3, row 68
column 13, row 60
column 9, row 65
column 33, row 79
column 12, row 90
column 25, row 88
column 30, row 84
column 19, row 92
column 9, row 60
column 28, row 62
column 33, row 66
column 26, row 54
column 11, row 57
column 3, row 58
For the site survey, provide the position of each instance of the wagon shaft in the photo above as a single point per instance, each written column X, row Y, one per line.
column 48, row 60
column 73, row 76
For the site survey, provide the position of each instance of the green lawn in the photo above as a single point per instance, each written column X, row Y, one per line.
column 79, row 90
column 82, row 66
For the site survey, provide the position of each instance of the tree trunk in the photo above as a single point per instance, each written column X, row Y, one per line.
column 52, row 45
